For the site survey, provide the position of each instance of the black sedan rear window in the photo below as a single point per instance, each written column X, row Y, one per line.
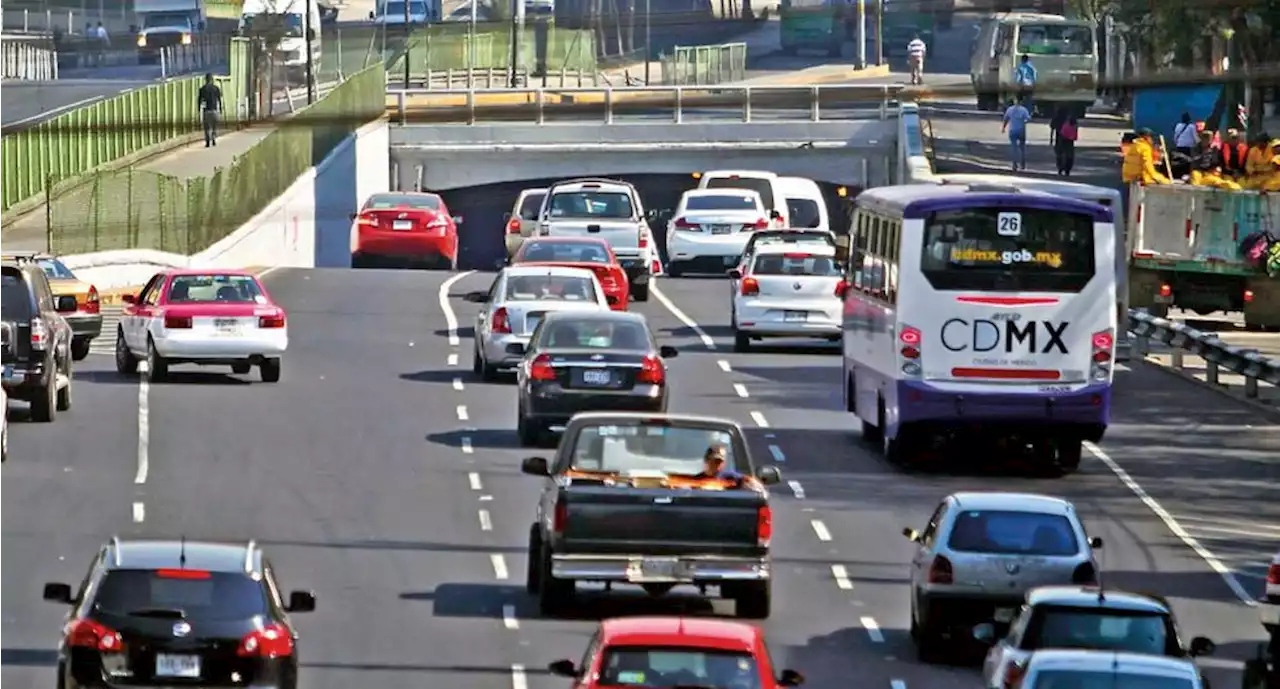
column 198, row 594
column 595, row 334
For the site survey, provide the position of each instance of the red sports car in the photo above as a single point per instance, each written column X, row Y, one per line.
column 580, row 252
column 405, row 227
column 676, row 652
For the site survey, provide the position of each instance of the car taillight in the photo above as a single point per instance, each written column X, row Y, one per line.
column 39, row 334
column 501, row 322
column 910, row 339
column 272, row 321
column 940, row 571
column 272, row 641
column 761, row 224
column 750, row 286
column 367, row 221
column 652, row 371
column 90, row 634
column 1273, row 574
column 560, row 518
column 1103, row 342
column 190, row 574
column 439, row 223
column 177, row 322
column 513, row 227
column 644, row 238
column 541, row 368
column 91, row 303
column 683, row 224
column 764, row 526
column 842, row 288
column 1085, row 575
column 605, row 275
column 1166, row 290
column 1248, row 296
column 1014, row 675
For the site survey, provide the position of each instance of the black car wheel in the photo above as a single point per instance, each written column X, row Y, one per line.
column 554, row 595
column 674, row 270
column 640, row 292
column 533, row 573
column 126, row 362
column 63, row 398
column 529, row 432
column 269, row 369
column 80, row 348
column 241, row 369
column 925, row 636
column 753, row 600
column 741, row 342
column 44, row 403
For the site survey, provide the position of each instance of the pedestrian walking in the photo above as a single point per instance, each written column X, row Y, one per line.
column 1064, row 130
column 916, row 50
column 1025, row 77
column 103, row 42
column 1016, row 118
column 1184, row 135
column 209, row 101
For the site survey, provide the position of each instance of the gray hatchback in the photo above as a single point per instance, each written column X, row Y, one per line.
column 982, row 552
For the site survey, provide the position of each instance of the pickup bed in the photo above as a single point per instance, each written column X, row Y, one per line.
column 647, row 528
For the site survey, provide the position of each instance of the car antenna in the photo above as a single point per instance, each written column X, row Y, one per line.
column 182, row 551
column 1102, row 596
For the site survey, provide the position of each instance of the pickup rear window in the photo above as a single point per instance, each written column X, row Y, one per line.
column 17, row 300
column 641, row 666
column 614, row 205
column 658, row 448
column 199, row 595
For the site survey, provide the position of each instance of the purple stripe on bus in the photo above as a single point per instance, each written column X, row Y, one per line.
column 922, row 207
column 921, row 402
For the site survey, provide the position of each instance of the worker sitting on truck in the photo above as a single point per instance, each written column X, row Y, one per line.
column 1234, row 152
column 1206, row 166
column 1259, row 164
column 1140, row 160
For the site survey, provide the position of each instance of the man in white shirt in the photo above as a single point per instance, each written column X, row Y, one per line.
column 104, row 41
column 916, row 50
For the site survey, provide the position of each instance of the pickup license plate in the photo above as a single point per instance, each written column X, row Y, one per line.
column 170, row 665
column 1003, row 615
column 402, row 225
column 653, row 569
column 596, row 377
column 1161, row 299
column 795, row 316
column 227, row 326
column 8, row 372
column 721, row 229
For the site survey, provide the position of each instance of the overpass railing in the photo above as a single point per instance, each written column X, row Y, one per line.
column 705, row 64
column 1218, row 355
column 28, row 60
column 674, row 104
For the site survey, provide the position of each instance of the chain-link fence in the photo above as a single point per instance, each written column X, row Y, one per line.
column 705, row 64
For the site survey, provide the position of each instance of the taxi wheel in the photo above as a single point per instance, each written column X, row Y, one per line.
column 80, row 349
column 269, row 369
column 157, row 367
column 126, row 362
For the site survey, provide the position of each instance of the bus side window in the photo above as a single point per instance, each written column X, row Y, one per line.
column 869, row 283
column 857, row 249
column 891, row 252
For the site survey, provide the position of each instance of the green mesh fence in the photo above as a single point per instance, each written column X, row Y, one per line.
column 447, row 47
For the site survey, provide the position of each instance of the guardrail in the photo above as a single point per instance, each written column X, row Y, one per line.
column 66, row 20
column 1217, row 354
column 861, row 101
column 493, row 78
column 25, row 60
column 705, row 64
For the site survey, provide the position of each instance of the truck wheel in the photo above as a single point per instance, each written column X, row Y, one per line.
column 63, row 397
column 533, row 571
column 741, row 342
column 640, row 292
column 554, row 595
column 44, row 404
column 754, row 600
column 80, row 348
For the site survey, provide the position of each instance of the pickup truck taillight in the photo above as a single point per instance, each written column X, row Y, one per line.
column 39, row 334
column 560, row 518
column 764, row 526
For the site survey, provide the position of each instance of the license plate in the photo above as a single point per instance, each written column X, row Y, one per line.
column 1160, row 299
column 227, row 326
column 594, row 377
column 8, row 372
column 721, row 229
column 169, row 665
column 793, row 316
column 1003, row 615
column 402, row 225
column 653, row 569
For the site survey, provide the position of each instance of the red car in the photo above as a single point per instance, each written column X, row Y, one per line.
column 580, row 252
column 676, row 651
column 405, row 227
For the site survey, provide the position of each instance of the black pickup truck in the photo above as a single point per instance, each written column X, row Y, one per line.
column 36, row 340
column 624, row 504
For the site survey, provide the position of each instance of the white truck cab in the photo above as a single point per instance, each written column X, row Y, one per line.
column 607, row 209
column 292, row 14
column 166, row 23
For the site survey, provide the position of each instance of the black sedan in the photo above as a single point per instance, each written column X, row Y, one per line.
column 597, row 361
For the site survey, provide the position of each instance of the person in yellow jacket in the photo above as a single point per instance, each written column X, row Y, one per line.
column 1259, row 163
column 1139, row 161
column 1271, row 181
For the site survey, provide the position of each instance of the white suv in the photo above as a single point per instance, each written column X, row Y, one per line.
column 607, row 209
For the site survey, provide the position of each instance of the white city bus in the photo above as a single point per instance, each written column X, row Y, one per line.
column 979, row 312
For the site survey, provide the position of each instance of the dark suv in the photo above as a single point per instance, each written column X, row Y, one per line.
column 37, row 340
column 153, row 613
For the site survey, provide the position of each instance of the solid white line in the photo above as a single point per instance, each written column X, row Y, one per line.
column 457, row 384
column 486, row 524
column 683, row 318
column 777, row 454
column 69, row 106
column 820, row 529
column 842, row 577
column 1234, row 532
column 897, row 684
column 499, row 567
column 144, row 425
column 724, row 366
column 873, row 630
column 1212, row 560
column 139, row 512
column 740, row 389
column 759, row 419
column 797, row 489
column 466, row 446
column 450, row 318
column 462, row 412
column 453, row 359
column 518, row 678
column 474, row 479
column 509, row 617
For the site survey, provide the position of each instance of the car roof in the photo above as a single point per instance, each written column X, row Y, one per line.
column 773, row 249
column 799, row 184
column 551, row 269
column 1013, row 502
column 181, row 272
column 530, row 192
column 697, row 632
column 1094, row 660
column 1087, row 597
column 609, row 315
column 722, row 191
column 759, row 174
column 209, row 556
column 572, row 185
column 781, row 233
column 919, row 200
column 566, row 240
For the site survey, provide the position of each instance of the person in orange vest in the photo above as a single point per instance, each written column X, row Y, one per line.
column 1260, row 160
column 1234, row 152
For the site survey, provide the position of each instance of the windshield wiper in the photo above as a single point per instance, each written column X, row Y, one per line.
column 159, row 613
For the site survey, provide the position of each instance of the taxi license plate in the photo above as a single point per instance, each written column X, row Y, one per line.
column 596, row 377
column 402, row 225
column 653, row 569
column 8, row 372
column 795, row 316
column 169, row 665
column 227, row 326
column 1003, row 615
column 721, row 229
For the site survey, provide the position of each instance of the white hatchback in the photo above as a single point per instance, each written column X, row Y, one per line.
column 787, row 292
column 710, row 228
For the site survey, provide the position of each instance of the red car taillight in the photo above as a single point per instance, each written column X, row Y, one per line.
column 91, row 302
column 683, row 224
column 940, row 571
column 764, row 526
column 560, row 518
column 513, row 227
column 177, row 322
column 652, row 371
column 272, row 321
column 367, row 220
column 501, row 322
column 750, row 286
column 272, row 641
column 541, row 368
column 90, row 634
column 1273, row 574
column 761, row 224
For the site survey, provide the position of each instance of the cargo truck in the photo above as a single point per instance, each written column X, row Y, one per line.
column 166, row 23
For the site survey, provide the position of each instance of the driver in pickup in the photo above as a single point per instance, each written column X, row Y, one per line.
column 713, row 466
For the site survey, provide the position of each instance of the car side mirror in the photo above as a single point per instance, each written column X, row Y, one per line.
column 735, row 273
column 535, row 466
column 668, row 352
column 301, row 601
column 58, row 593
column 1200, row 646
column 130, row 298
column 769, row 475
column 985, row 633
column 775, row 215
column 790, row 678
column 911, row 535
column 563, row 668
column 457, row 220
column 477, row 297
column 611, row 300
column 506, row 217
column 515, row 349
column 355, row 216
column 65, row 304
column 1095, row 542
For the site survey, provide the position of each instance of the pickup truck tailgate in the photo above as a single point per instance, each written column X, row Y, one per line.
column 660, row 521
column 622, row 235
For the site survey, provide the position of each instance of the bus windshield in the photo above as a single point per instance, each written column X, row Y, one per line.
column 1008, row 250
column 1055, row 39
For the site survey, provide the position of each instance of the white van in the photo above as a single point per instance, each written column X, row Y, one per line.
column 762, row 182
column 806, row 208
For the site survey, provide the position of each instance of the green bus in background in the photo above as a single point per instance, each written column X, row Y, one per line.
column 900, row 27
column 813, row 25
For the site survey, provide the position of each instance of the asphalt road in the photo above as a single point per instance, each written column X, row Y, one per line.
column 33, row 101
column 382, row 474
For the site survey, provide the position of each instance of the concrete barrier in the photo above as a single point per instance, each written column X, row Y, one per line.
column 801, row 78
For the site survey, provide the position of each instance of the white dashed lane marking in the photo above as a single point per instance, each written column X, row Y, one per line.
column 821, row 530
column 139, row 512
column 499, row 567
column 474, row 479
column 462, row 412
column 486, row 523
column 797, row 489
column 841, row 575
column 509, row 617
column 777, row 454
column 759, row 419
column 873, row 629
column 740, row 389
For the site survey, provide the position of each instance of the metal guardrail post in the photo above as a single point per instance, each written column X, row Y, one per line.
column 815, row 103
column 471, row 106
column 884, row 103
column 608, row 105
column 400, row 106
column 541, row 99
column 746, row 105
column 679, row 109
